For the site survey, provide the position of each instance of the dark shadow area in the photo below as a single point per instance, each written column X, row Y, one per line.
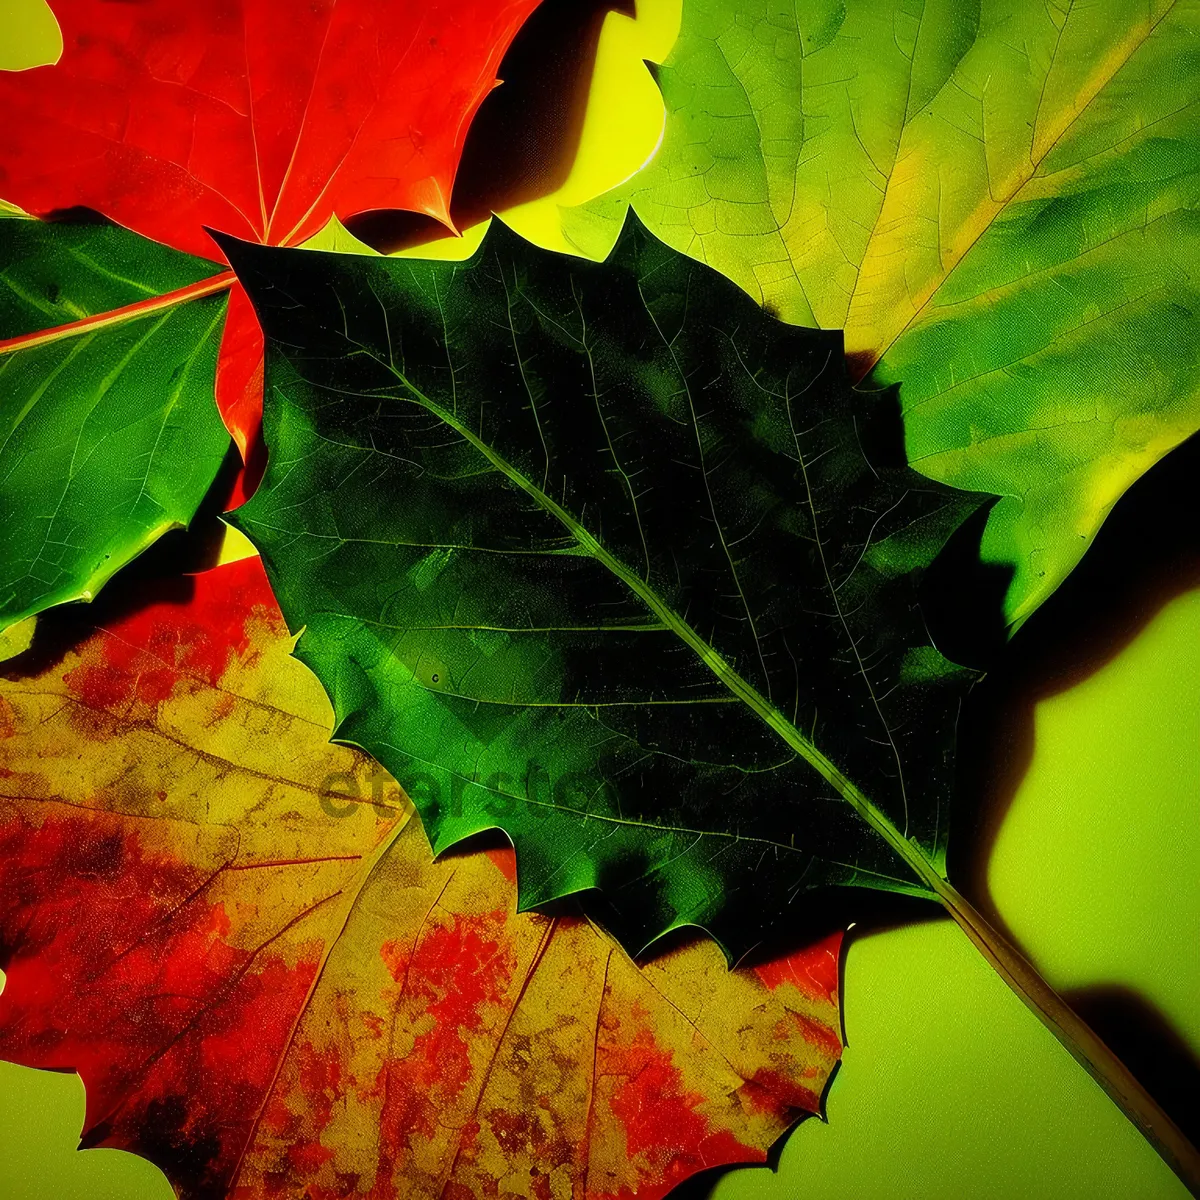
column 1146, row 554
column 818, row 915
column 839, row 908
column 389, row 230
column 478, row 843
column 61, row 629
column 880, row 427
column 523, row 140
column 76, row 215
column 231, row 489
column 962, row 597
column 186, row 551
column 1144, row 1040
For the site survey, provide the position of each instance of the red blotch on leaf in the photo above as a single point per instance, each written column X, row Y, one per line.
column 176, row 994
column 456, row 971
column 505, row 861
column 121, row 968
column 147, row 655
column 769, row 1091
column 813, row 969
column 665, row 1133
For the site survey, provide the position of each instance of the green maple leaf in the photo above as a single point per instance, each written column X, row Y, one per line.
column 998, row 202
column 599, row 554
column 108, row 433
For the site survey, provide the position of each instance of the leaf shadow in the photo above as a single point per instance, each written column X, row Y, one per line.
column 522, row 143
column 1140, row 561
column 1149, row 1045
column 1145, row 555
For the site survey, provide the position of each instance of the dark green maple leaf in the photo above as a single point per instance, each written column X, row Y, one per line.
column 108, row 432
column 599, row 554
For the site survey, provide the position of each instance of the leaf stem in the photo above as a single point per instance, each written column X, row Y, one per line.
column 1076, row 1036
column 1073, row 1033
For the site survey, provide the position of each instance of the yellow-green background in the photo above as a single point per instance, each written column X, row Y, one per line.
column 949, row 1088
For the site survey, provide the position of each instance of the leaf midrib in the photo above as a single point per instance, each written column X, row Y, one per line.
column 222, row 281
column 909, row 850
column 980, row 221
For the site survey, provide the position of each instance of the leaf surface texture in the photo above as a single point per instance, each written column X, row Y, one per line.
column 597, row 554
column 997, row 201
column 108, row 438
column 236, row 933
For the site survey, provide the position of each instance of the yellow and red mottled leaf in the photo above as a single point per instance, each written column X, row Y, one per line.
column 274, row 991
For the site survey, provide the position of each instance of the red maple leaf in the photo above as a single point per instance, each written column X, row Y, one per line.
column 260, row 118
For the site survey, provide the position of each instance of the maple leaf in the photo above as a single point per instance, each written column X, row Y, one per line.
column 236, row 933
column 257, row 117
column 997, row 203
column 615, row 518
